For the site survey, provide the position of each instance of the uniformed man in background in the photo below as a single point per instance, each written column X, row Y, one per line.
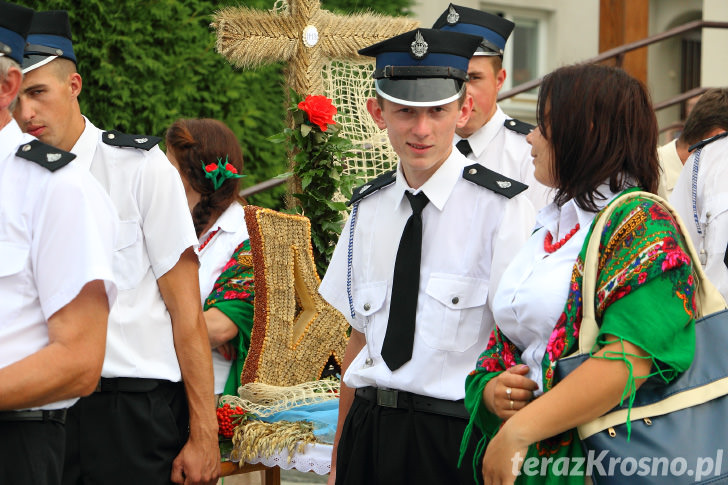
column 57, row 230
column 490, row 137
column 152, row 417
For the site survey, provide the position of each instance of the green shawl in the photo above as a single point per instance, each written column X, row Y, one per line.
column 644, row 295
column 233, row 294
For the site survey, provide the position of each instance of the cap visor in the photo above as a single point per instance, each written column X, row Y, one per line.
column 32, row 61
column 420, row 92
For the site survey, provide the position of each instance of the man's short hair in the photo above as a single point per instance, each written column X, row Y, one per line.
column 6, row 64
column 710, row 112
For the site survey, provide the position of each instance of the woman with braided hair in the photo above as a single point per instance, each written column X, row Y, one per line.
column 209, row 160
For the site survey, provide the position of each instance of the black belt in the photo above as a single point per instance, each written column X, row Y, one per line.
column 392, row 398
column 128, row 384
column 57, row 415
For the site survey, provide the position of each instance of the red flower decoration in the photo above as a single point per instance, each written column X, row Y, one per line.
column 211, row 167
column 320, row 110
column 230, row 168
column 556, row 343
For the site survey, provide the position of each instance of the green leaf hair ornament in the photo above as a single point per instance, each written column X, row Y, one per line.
column 219, row 172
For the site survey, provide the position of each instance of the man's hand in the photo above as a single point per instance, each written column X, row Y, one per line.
column 198, row 462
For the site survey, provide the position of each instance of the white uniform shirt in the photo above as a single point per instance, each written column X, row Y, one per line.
column 533, row 290
column 57, row 232
column 670, row 168
column 508, row 153
column 469, row 236
column 711, row 190
column 155, row 228
column 213, row 258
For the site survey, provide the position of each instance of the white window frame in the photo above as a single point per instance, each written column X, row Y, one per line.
column 514, row 14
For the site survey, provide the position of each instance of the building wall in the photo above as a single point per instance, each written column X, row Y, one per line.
column 570, row 33
column 664, row 58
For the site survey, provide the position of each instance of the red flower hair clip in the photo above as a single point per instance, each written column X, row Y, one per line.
column 219, row 172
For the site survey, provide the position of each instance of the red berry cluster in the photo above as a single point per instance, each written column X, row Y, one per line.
column 227, row 418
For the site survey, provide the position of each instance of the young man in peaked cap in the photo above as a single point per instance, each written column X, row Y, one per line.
column 57, row 232
column 422, row 251
column 490, row 137
column 152, row 416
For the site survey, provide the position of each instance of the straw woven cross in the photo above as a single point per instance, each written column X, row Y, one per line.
column 306, row 37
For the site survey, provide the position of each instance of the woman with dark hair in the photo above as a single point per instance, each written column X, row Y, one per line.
column 209, row 160
column 596, row 138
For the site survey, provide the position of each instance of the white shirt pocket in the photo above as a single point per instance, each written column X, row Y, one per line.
column 13, row 259
column 130, row 259
column 452, row 314
column 368, row 299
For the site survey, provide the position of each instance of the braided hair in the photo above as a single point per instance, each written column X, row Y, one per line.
column 198, row 142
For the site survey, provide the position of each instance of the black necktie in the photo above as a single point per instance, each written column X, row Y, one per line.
column 464, row 147
column 399, row 338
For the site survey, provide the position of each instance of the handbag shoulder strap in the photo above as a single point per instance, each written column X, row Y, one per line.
column 707, row 297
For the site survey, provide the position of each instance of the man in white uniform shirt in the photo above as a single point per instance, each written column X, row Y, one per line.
column 152, row 417
column 413, row 341
column 56, row 237
column 706, row 213
column 490, row 137
column 708, row 117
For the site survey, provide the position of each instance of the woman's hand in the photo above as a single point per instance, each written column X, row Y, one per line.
column 509, row 392
column 503, row 457
column 227, row 350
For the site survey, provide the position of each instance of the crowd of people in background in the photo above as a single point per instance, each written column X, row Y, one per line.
column 127, row 281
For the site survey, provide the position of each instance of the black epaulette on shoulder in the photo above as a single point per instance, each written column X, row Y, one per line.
column 119, row 139
column 494, row 181
column 45, row 155
column 707, row 141
column 372, row 186
column 519, row 126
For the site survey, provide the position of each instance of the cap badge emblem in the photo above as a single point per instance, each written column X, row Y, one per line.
column 53, row 157
column 452, row 16
column 419, row 46
column 503, row 184
column 141, row 140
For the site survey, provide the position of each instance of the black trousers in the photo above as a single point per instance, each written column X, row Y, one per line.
column 383, row 446
column 31, row 452
column 121, row 437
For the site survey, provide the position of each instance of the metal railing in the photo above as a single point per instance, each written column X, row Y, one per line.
column 619, row 52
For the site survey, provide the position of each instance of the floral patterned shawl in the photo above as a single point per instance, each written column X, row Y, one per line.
column 233, row 294
column 640, row 249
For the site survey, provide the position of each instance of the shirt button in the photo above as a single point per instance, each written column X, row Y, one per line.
column 368, row 361
column 26, row 148
column 455, row 300
column 111, row 136
column 367, row 306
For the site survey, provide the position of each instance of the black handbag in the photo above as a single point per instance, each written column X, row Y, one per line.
column 679, row 431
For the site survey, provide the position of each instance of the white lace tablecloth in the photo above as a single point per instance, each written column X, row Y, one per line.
column 316, row 457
